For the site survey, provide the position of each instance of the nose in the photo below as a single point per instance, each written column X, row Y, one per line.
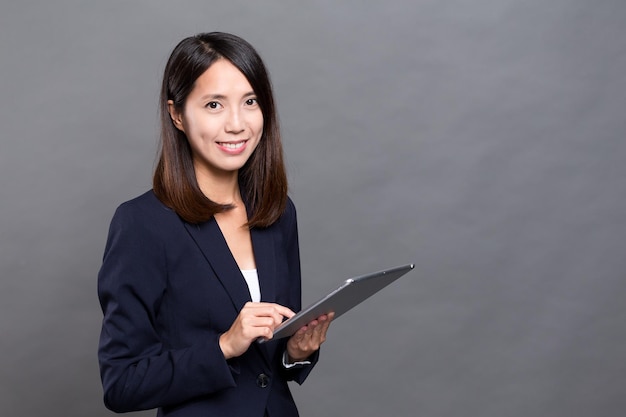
column 235, row 122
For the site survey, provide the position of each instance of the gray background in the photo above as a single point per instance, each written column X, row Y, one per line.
column 483, row 140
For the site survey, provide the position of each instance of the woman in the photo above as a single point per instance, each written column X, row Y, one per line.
column 207, row 262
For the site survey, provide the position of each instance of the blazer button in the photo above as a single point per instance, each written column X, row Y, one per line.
column 262, row 381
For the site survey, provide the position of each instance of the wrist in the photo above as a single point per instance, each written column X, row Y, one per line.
column 290, row 363
column 223, row 344
column 291, row 358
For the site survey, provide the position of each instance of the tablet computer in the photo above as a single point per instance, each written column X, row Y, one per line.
column 351, row 293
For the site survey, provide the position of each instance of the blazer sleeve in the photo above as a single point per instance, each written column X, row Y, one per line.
column 138, row 371
column 299, row 373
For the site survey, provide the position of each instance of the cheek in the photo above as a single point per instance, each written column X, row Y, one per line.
column 258, row 124
column 199, row 129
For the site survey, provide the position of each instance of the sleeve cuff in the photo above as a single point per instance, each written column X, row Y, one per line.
column 297, row 364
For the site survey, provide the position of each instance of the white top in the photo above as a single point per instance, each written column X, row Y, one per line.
column 252, row 279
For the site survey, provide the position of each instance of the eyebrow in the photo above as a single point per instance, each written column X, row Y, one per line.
column 222, row 97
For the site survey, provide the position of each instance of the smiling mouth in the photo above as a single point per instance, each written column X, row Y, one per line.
column 232, row 145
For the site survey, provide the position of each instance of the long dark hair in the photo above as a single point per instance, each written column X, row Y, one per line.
column 262, row 180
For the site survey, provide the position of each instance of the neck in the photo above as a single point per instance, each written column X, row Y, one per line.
column 222, row 188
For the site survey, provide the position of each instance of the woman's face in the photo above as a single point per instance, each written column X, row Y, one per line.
column 221, row 119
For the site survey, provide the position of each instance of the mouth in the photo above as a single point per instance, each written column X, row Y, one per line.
column 233, row 147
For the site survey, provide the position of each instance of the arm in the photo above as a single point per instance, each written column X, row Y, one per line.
column 138, row 369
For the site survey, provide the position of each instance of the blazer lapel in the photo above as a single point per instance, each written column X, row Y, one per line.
column 211, row 242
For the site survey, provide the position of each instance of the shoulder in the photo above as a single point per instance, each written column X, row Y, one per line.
column 287, row 223
column 289, row 214
column 145, row 205
column 145, row 212
column 142, row 227
column 290, row 207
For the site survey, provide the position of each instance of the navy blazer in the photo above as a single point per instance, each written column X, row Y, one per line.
column 168, row 289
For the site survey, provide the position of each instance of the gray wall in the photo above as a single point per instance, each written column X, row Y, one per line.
column 483, row 140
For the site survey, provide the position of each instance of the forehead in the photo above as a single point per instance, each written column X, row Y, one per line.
column 222, row 78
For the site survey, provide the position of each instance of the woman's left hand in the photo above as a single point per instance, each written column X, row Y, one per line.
column 308, row 338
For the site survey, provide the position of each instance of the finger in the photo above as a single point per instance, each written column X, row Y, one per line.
column 275, row 310
column 261, row 321
column 253, row 327
column 328, row 321
column 284, row 311
column 326, row 317
column 318, row 334
column 323, row 330
column 313, row 323
column 323, row 321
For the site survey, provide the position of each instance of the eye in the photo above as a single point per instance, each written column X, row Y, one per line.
column 213, row 105
column 251, row 102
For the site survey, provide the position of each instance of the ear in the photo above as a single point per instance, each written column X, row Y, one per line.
column 177, row 117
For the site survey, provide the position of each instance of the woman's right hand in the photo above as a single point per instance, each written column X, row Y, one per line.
column 255, row 320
